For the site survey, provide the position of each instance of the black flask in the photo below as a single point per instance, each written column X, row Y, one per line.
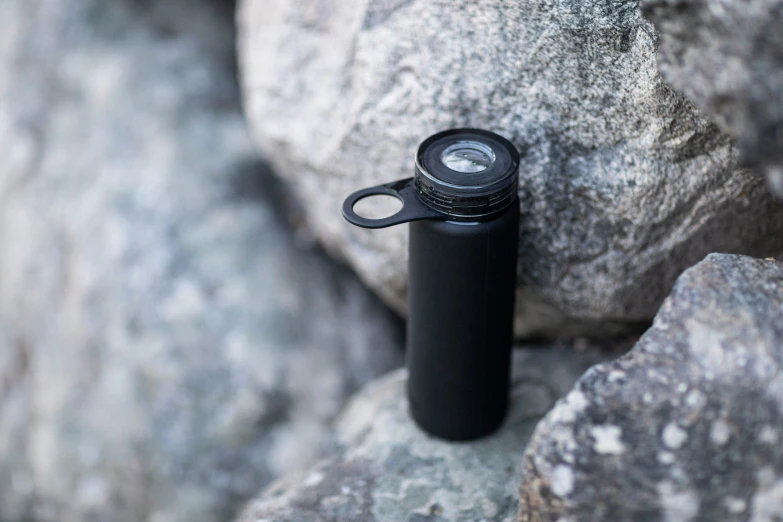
column 463, row 211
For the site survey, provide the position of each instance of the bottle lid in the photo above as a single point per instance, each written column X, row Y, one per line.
column 466, row 173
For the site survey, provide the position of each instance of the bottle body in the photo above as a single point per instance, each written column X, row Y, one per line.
column 463, row 210
column 461, row 290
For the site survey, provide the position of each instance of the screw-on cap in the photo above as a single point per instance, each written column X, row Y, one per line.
column 467, row 173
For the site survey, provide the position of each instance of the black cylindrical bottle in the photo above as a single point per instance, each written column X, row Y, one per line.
column 464, row 226
column 461, row 283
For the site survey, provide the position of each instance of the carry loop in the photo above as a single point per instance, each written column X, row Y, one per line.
column 412, row 207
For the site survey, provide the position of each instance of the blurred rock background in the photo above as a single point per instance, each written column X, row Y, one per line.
column 173, row 339
column 725, row 57
column 169, row 344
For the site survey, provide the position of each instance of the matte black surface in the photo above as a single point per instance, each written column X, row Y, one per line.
column 464, row 230
column 462, row 281
column 412, row 207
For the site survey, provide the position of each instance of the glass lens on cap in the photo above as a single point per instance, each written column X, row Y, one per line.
column 466, row 173
column 467, row 156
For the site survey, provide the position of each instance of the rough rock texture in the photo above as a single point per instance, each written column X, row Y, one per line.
column 688, row 426
column 623, row 184
column 166, row 346
column 386, row 470
column 727, row 57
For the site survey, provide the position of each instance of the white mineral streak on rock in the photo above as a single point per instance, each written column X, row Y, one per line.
column 679, row 504
column 674, row 436
column 607, row 439
column 666, row 457
column 766, row 505
column 735, row 505
column 696, row 399
column 720, row 432
column 562, row 480
column 567, row 409
column 616, row 376
column 768, row 435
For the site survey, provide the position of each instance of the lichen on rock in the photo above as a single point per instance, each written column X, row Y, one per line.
column 696, row 407
column 385, row 469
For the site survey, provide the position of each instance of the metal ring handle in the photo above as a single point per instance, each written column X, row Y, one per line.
column 412, row 208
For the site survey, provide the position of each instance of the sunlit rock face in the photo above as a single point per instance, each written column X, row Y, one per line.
column 623, row 183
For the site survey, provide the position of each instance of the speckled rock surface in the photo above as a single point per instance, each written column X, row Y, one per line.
column 386, row 470
column 623, row 184
column 167, row 347
column 688, row 426
column 727, row 57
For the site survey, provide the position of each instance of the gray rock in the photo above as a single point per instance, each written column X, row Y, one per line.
column 167, row 347
column 687, row 426
column 623, row 183
column 727, row 57
column 386, row 470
